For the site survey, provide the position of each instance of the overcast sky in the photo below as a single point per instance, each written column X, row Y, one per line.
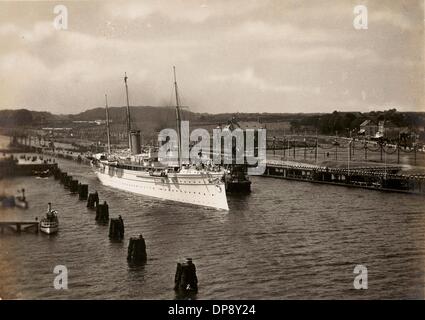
column 230, row 55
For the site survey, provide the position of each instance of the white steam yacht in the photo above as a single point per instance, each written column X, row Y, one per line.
column 198, row 185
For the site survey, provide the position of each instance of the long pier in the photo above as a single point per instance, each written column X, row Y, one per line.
column 386, row 178
column 375, row 177
column 19, row 226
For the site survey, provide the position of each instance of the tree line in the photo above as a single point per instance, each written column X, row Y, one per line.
column 343, row 122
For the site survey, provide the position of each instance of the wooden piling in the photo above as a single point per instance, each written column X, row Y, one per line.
column 185, row 280
column 93, row 200
column 83, row 190
column 57, row 173
column 67, row 181
column 102, row 212
column 137, row 250
column 116, row 228
column 73, row 186
column 63, row 177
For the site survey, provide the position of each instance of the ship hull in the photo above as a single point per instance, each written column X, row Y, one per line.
column 200, row 189
column 49, row 230
column 238, row 186
column 49, row 227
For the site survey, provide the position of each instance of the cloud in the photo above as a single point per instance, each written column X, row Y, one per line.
column 39, row 32
column 271, row 55
column 398, row 14
column 248, row 78
column 263, row 31
column 193, row 11
column 8, row 29
column 320, row 53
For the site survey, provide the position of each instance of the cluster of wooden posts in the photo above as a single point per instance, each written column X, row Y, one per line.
column 185, row 282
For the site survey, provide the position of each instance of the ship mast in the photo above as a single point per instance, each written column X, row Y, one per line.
column 178, row 117
column 107, row 124
column 128, row 111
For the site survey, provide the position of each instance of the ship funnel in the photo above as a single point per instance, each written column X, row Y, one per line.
column 135, row 142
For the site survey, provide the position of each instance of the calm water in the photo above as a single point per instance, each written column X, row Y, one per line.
column 285, row 240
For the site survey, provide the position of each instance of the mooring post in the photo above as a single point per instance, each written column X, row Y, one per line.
column 67, row 182
column 73, row 186
column 63, row 177
column 93, row 200
column 137, row 250
column 185, row 280
column 102, row 212
column 116, row 228
column 83, row 190
column 57, row 173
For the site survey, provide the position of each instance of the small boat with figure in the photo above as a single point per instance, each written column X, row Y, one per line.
column 50, row 223
column 20, row 200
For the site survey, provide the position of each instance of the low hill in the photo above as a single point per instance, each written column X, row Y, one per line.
column 152, row 119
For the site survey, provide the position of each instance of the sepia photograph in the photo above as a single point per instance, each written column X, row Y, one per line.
column 193, row 151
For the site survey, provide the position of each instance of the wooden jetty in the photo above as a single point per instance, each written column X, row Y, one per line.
column 375, row 177
column 19, row 226
column 386, row 178
column 12, row 166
